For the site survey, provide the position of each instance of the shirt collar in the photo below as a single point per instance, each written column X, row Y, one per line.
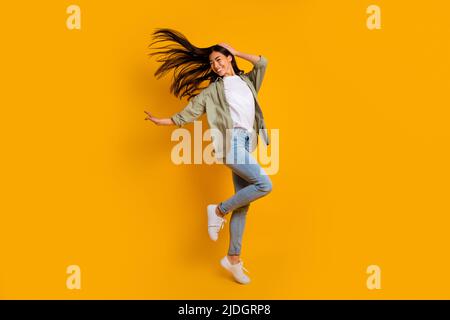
column 221, row 78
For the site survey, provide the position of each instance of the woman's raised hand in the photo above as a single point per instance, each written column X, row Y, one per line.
column 229, row 48
column 158, row 121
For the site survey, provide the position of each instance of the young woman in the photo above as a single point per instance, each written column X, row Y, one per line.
column 231, row 104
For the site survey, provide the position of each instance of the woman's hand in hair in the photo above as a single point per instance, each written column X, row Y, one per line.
column 229, row 48
column 158, row 121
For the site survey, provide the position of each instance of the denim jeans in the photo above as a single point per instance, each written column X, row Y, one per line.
column 250, row 183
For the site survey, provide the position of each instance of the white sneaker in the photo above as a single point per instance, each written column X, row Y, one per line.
column 215, row 223
column 236, row 270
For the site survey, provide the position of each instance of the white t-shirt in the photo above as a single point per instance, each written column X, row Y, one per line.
column 241, row 101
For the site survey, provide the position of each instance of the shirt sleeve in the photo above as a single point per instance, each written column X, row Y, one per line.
column 256, row 75
column 194, row 109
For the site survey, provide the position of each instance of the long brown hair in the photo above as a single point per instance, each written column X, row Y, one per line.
column 190, row 63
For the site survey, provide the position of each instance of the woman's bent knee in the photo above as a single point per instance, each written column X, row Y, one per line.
column 265, row 185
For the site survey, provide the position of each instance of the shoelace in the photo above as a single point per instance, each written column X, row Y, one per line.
column 242, row 265
column 217, row 225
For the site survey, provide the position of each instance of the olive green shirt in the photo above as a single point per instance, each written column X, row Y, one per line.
column 212, row 101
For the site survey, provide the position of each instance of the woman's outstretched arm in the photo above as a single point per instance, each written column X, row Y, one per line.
column 159, row 121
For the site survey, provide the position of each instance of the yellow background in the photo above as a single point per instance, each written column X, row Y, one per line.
column 364, row 135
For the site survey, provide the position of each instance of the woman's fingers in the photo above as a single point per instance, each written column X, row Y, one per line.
column 227, row 46
column 150, row 117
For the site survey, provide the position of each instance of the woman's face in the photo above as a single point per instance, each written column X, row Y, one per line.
column 221, row 64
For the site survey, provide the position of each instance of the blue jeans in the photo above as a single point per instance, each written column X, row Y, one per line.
column 250, row 183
